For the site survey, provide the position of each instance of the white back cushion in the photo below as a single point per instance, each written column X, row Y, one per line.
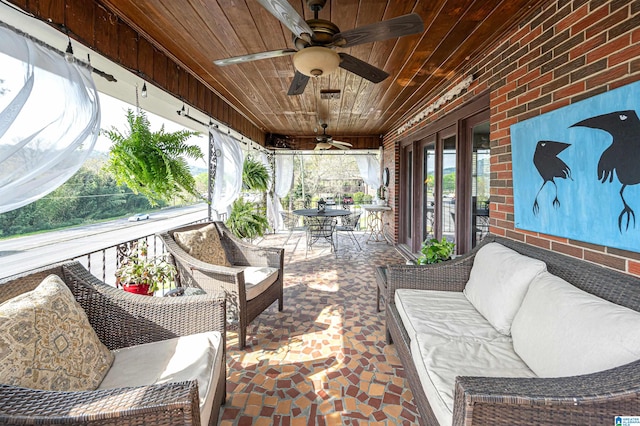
column 561, row 330
column 498, row 282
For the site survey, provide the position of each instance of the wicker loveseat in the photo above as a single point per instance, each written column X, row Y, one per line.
column 242, row 281
column 594, row 398
column 122, row 321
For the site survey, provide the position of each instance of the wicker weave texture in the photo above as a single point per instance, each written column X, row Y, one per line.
column 592, row 399
column 120, row 319
column 214, row 278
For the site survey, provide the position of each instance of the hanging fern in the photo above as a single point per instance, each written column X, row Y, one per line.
column 245, row 222
column 255, row 176
column 152, row 163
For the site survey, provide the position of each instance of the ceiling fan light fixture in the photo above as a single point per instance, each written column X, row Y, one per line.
column 316, row 61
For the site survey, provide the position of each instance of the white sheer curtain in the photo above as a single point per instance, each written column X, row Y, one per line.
column 369, row 167
column 49, row 119
column 262, row 157
column 228, row 178
column 284, row 179
column 273, row 219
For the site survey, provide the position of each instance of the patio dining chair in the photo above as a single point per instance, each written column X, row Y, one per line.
column 292, row 223
column 348, row 225
column 320, row 228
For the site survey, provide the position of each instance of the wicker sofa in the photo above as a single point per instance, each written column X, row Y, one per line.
column 122, row 321
column 594, row 398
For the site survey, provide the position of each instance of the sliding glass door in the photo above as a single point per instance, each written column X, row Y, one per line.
column 445, row 181
column 438, row 178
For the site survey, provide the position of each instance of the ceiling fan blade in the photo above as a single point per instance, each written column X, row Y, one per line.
column 298, row 84
column 341, row 143
column 361, row 68
column 254, row 57
column 391, row 28
column 339, row 146
column 286, row 14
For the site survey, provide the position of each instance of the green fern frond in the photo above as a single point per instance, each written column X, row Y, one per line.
column 152, row 163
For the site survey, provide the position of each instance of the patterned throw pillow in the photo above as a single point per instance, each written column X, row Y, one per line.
column 203, row 244
column 46, row 341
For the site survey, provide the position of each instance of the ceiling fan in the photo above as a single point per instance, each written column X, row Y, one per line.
column 316, row 40
column 325, row 141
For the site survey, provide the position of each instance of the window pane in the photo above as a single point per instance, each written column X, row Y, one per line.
column 449, row 188
column 480, row 169
column 429, row 182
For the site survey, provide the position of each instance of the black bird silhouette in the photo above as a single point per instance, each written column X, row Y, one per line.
column 550, row 167
column 622, row 156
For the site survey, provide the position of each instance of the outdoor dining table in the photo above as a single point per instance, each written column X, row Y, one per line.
column 320, row 223
column 324, row 213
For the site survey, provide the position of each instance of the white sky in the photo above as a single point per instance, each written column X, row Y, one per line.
column 114, row 115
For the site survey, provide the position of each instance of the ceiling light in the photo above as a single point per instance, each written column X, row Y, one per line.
column 315, row 61
column 144, row 90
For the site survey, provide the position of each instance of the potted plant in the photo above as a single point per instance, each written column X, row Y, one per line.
column 434, row 251
column 141, row 274
column 381, row 194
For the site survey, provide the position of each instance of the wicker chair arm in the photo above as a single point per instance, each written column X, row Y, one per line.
column 242, row 253
column 163, row 404
column 451, row 275
column 596, row 396
column 123, row 319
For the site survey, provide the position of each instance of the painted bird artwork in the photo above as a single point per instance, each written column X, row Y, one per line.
column 622, row 157
column 550, row 167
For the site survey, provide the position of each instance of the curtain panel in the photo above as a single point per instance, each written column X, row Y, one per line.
column 228, row 177
column 49, row 119
column 284, row 180
column 369, row 167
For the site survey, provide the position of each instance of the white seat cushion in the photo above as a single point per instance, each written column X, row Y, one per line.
column 439, row 364
column 561, row 330
column 257, row 279
column 195, row 357
column 498, row 282
column 442, row 313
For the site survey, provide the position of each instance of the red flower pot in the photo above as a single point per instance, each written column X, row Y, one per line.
column 137, row 289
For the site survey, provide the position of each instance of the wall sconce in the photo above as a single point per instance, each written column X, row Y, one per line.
column 181, row 111
column 144, row 90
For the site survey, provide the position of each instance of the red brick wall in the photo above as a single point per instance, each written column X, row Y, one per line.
column 561, row 54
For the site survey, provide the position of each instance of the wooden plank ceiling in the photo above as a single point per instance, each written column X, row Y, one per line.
column 197, row 32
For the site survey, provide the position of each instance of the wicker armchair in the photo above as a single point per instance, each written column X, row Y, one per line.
column 213, row 278
column 120, row 320
column 587, row 399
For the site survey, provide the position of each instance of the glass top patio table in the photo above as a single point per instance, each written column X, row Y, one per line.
column 325, row 213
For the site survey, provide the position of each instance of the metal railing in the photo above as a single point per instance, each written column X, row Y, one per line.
column 104, row 262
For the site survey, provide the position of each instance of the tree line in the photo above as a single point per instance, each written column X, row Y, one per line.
column 91, row 195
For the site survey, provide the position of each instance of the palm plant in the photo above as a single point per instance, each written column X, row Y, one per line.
column 152, row 163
